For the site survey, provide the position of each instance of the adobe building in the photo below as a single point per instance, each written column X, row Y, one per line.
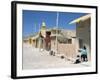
column 83, row 32
column 60, row 41
column 64, row 44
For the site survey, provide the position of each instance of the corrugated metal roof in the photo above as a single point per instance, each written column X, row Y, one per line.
column 80, row 19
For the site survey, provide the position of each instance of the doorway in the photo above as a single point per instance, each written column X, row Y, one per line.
column 80, row 43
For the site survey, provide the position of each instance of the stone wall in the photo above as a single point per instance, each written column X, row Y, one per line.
column 67, row 49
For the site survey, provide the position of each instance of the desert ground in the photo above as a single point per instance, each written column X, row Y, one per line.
column 33, row 58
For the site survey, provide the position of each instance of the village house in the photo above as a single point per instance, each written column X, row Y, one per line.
column 62, row 42
column 83, row 32
column 67, row 43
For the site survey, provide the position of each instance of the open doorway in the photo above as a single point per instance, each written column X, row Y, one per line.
column 80, row 43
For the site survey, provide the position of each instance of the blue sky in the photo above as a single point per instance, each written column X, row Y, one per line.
column 32, row 20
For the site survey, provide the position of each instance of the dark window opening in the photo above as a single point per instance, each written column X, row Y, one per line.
column 69, row 41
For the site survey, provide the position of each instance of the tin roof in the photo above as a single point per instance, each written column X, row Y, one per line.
column 80, row 19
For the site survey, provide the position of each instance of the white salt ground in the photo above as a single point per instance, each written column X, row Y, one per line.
column 35, row 59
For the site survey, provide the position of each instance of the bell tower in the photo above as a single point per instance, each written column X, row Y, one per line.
column 43, row 25
column 43, row 29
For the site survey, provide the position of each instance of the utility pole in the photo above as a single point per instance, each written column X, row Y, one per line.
column 57, row 22
column 35, row 27
column 35, row 33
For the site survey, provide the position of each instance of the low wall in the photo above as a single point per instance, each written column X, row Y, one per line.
column 68, row 49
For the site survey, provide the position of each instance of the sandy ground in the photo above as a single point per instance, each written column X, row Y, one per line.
column 35, row 59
